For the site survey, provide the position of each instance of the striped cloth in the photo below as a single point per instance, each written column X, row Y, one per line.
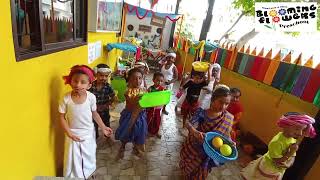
column 194, row 163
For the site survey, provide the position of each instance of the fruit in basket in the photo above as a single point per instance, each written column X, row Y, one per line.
column 225, row 150
column 217, row 142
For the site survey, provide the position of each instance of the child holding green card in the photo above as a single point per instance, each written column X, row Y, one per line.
column 154, row 113
column 133, row 121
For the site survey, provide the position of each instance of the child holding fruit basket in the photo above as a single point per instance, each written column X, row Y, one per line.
column 195, row 163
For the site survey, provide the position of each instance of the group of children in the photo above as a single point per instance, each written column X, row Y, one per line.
column 205, row 104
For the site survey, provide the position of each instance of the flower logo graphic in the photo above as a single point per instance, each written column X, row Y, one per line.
column 282, row 12
column 273, row 13
column 276, row 19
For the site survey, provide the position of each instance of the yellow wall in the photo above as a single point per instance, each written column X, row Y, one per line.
column 262, row 105
column 31, row 138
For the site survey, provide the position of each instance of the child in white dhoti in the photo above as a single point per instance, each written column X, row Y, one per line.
column 77, row 109
column 170, row 73
column 214, row 78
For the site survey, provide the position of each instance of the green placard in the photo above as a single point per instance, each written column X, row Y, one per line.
column 154, row 99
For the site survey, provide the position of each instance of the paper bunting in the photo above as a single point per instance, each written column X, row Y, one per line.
column 153, row 3
column 145, row 12
column 301, row 81
column 192, row 51
column 309, row 62
column 312, row 86
column 180, row 45
column 237, row 62
column 243, row 63
column 249, row 65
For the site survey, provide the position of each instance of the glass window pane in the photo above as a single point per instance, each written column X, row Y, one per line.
column 28, row 25
column 109, row 15
column 80, row 19
column 57, row 20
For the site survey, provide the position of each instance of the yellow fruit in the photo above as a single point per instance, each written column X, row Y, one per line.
column 217, row 142
column 225, row 150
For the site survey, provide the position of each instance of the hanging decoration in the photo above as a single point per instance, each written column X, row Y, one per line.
column 153, row 3
column 142, row 13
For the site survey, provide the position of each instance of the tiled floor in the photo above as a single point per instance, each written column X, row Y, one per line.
column 161, row 158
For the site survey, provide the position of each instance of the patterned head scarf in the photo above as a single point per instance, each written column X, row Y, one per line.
column 79, row 68
column 291, row 119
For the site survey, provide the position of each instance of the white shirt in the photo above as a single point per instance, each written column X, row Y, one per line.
column 167, row 73
column 79, row 116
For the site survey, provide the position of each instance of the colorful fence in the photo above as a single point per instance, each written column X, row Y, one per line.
column 286, row 75
column 291, row 77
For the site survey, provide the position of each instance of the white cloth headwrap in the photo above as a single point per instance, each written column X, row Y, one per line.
column 141, row 64
column 172, row 54
column 218, row 86
column 102, row 70
column 163, row 60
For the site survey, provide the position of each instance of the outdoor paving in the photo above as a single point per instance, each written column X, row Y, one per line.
column 160, row 161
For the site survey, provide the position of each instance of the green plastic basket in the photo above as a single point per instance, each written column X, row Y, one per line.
column 119, row 84
column 154, row 99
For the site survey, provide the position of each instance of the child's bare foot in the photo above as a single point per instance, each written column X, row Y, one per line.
column 137, row 152
column 109, row 141
column 120, row 154
column 158, row 135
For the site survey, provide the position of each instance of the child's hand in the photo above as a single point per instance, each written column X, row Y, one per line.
column 107, row 131
column 197, row 134
column 74, row 137
column 102, row 107
column 292, row 149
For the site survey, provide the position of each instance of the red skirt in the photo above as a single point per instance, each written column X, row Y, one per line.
column 188, row 109
column 153, row 120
